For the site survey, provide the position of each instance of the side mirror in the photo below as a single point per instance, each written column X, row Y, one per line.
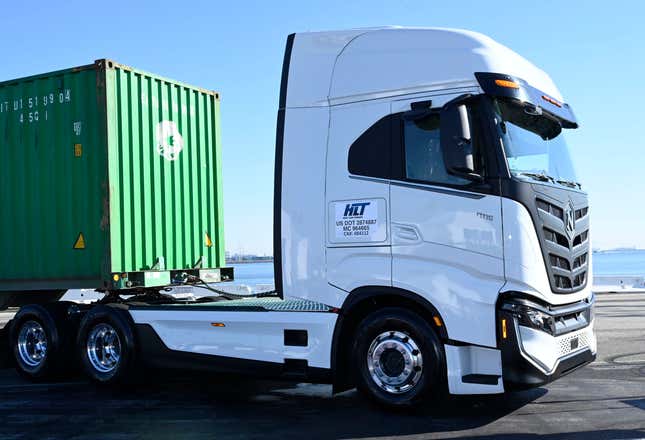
column 456, row 142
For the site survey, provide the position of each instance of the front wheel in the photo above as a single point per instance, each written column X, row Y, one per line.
column 399, row 358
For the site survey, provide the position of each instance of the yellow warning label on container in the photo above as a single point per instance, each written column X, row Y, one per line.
column 78, row 150
column 80, row 242
column 208, row 240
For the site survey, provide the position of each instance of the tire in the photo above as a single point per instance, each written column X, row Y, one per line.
column 106, row 346
column 399, row 359
column 39, row 339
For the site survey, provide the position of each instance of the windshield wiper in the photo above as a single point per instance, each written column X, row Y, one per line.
column 538, row 176
column 569, row 183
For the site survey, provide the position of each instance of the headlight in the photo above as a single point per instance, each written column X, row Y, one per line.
column 554, row 320
column 531, row 316
column 536, row 319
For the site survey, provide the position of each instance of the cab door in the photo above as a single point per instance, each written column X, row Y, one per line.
column 446, row 230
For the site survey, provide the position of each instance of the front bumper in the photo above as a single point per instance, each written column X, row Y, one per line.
column 532, row 357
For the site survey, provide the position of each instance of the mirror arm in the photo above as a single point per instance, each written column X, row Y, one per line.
column 470, row 176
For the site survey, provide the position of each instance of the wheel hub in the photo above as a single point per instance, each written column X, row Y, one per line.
column 392, row 362
column 32, row 343
column 395, row 362
column 103, row 348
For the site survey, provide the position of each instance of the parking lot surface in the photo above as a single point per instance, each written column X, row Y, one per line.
column 603, row 400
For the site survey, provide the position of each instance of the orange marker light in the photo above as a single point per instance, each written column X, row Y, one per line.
column 218, row 324
column 504, row 335
column 552, row 101
column 506, row 83
column 437, row 321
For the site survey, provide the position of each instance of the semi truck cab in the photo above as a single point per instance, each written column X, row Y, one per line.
column 430, row 233
column 431, row 165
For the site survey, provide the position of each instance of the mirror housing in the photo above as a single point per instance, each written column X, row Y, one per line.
column 456, row 141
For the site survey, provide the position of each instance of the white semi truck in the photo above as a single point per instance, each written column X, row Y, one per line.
column 430, row 235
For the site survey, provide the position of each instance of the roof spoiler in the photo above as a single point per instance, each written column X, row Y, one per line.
column 506, row 86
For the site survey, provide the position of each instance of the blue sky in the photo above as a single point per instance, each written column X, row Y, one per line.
column 594, row 50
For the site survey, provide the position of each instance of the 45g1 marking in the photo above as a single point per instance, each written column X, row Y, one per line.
column 32, row 117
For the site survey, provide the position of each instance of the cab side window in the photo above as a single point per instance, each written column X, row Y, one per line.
column 423, row 156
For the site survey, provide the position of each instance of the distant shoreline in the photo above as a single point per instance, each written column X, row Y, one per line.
column 602, row 251
column 268, row 260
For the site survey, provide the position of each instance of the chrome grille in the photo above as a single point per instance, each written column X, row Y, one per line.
column 565, row 240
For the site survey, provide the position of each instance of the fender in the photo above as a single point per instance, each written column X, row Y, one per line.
column 358, row 304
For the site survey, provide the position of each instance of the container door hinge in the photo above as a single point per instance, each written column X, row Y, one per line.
column 199, row 264
column 160, row 264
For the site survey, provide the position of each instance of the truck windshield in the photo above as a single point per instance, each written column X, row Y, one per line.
column 535, row 146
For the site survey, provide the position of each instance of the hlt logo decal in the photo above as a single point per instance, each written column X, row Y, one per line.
column 355, row 209
column 357, row 220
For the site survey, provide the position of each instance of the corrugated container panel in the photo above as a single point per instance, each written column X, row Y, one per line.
column 48, row 195
column 128, row 160
column 164, row 201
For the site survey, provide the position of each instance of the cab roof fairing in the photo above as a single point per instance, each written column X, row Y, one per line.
column 360, row 64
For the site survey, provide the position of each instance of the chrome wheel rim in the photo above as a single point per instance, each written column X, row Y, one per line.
column 395, row 362
column 32, row 344
column 103, row 348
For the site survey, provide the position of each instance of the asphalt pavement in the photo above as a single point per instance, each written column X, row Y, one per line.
column 605, row 400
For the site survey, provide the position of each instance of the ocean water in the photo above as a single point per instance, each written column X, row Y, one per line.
column 253, row 274
column 619, row 262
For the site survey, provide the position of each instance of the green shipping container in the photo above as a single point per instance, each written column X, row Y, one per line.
column 110, row 178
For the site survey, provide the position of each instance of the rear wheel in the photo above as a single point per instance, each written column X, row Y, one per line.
column 399, row 358
column 38, row 336
column 103, row 348
column 106, row 346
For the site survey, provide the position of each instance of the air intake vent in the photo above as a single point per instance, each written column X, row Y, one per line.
column 579, row 279
column 562, row 282
column 550, row 208
column 559, row 262
column 579, row 239
column 581, row 213
column 556, row 238
column 580, row 261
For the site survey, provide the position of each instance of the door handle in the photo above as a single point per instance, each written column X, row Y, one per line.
column 407, row 233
